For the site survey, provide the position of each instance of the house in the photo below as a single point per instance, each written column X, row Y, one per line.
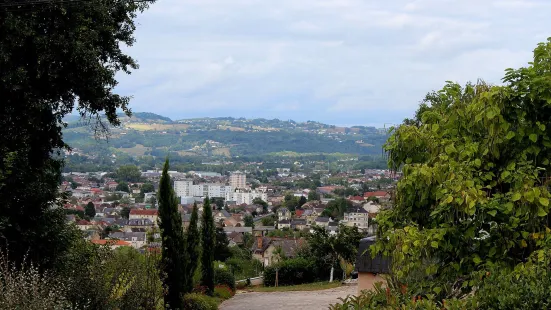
column 283, row 214
column 299, row 224
column 357, row 216
column 370, row 269
column 141, row 214
column 284, row 224
column 220, row 215
column 235, row 238
column 136, row 239
column 85, row 225
column 356, row 199
column 113, row 244
column 381, row 195
column 269, row 250
column 372, row 207
column 144, row 224
column 299, row 212
column 322, row 221
column 314, row 214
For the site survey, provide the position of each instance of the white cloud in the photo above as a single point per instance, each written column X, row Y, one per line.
column 257, row 58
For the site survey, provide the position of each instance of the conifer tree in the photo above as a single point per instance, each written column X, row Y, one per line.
column 208, row 241
column 193, row 242
column 173, row 260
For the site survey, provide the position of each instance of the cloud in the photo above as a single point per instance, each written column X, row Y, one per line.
column 337, row 61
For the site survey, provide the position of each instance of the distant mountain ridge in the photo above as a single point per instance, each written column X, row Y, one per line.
column 148, row 133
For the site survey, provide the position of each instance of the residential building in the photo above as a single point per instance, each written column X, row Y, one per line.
column 267, row 249
column 370, row 268
column 322, row 221
column 142, row 214
column 238, row 180
column 183, row 188
column 299, row 224
column 136, row 239
column 245, row 196
column 283, row 214
column 284, row 224
column 357, row 216
column 186, row 188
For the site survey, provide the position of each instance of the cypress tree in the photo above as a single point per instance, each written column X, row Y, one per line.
column 193, row 242
column 208, row 240
column 173, row 259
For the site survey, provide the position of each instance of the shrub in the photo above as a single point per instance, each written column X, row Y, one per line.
column 196, row 301
column 291, row 272
column 223, row 291
column 224, row 277
column 27, row 288
column 526, row 288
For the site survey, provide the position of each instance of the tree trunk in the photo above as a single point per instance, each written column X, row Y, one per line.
column 331, row 276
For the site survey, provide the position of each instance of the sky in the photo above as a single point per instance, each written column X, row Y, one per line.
column 342, row 62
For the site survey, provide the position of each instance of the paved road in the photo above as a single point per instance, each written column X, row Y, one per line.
column 313, row 300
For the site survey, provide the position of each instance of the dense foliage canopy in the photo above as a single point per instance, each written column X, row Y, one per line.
column 474, row 192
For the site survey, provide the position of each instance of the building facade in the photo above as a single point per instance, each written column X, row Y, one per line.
column 186, row 188
column 245, row 197
column 358, row 217
column 238, row 180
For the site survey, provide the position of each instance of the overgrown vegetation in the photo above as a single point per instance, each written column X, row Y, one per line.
column 470, row 221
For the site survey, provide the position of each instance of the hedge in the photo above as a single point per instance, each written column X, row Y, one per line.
column 224, row 277
column 291, row 272
column 195, row 301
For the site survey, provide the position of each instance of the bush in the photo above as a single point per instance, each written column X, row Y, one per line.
column 526, row 288
column 223, row 291
column 27, row 288
column 195, row 301
column 224, row 277
column 291, row 272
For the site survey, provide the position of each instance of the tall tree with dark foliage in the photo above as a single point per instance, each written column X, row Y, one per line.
column 55, row 57
column 173, row 261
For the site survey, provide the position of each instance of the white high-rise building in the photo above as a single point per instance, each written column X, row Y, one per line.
column 245, row 197
column 186, row 188
column 183, row 188
column 238, row 180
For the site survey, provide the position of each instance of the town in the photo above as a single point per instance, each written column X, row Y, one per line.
column 122, row 207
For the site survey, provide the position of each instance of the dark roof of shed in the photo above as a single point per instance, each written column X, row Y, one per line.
column 366, row 263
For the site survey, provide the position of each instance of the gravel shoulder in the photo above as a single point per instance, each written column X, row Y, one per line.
column 307, row 300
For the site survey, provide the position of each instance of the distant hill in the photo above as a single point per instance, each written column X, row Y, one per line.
column 151, row 134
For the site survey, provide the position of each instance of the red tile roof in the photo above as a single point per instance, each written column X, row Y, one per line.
column 356, row 198
column 375, row 194
column 83, row 222
column 143, row 212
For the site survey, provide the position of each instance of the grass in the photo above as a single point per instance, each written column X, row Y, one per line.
column 302, row 287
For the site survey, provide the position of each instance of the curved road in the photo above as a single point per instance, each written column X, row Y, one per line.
column 297, row 300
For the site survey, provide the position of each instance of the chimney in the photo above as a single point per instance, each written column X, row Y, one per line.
column 259, row 242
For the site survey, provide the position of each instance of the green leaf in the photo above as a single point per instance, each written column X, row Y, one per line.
column 434, row 244
column 437, row 290
column 477, row 260
column 450, row 148
column 510, row 135
column 477, row 162
column 449, row 199
column 516, row 196
column 533, row 137
column 511, row 166
column 490, row 114
column 492, row 213
column 542, row 127
column 505, row 174
column 544, row 201
column 541, row 212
